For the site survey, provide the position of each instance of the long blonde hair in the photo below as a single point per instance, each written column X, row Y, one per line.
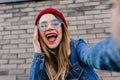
column 60, row 60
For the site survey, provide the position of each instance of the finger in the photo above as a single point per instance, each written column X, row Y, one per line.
column 36, row 33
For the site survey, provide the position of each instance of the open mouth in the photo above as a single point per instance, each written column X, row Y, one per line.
column 51, row 37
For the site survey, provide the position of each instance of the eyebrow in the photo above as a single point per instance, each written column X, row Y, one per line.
column 51, row 20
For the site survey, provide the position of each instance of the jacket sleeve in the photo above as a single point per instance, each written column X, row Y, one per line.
column 103, row 55
column 37, row 67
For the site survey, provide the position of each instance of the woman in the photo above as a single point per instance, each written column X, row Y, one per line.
column 57, row 57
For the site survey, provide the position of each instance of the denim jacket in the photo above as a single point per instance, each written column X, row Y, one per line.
column 103, row 55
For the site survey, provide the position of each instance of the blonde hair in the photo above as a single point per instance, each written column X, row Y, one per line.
column 60, row 60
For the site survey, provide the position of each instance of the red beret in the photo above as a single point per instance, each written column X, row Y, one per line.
column 50, row 10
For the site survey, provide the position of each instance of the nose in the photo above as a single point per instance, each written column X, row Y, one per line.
column 49, row 26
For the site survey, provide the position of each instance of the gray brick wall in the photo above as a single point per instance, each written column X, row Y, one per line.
column 87, row 19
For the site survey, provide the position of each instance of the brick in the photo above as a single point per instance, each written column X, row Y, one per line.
column 17, row 61
column 26, row 35
column 103, row 25
column 25, row 45
column 50, row 3
column 22, row 77
column 6, row 7
column 59, row 6
column 4, row 51
column 9, row 56
column 87, row 36
column 16, row 23
column 1, row 28
column 1, row 37
column 20, row 5
column 66, row 2
column 12, row 19
column 26, row 26
column 3, row 72
column 12, row 11
column 79, row 1
column 91, row 3
column 85, row 17
column 12, row 28
column 76, row 22
column 17, row 51
column 4, row 41
column 72, row 28
column 20, row 14
column 103, row 16
column 26, row 55
column 27, row 18
column 96, row 31
column 93, row 21
column 23, row 66
column 4, row 32
column 16, row 72
column 40, row 8
column 101, row 7
column 9, row 77
column 108, row 30
column 30, row 50
column 36, row 4
column 1, row 11
column 3, row 62
column 29, row 60
column 27, row 9
column 1, row 20
column 5, row 24
column 18, row 32
column 78, row 32
column 107, row 20
column 71, row 18
column 30, row 31
column 5, row 15
column 102, row 35
column 32, row 13
column 85, row 27
column 18, row 41
column 74, row 36
column 10, row 37
column 92, row 41
column 27, row 71
column 29, row 40
column 106, row 11
column 10, row 46
column 30, row 22
column 8, row 66
column 74, row 5
column 93, row 12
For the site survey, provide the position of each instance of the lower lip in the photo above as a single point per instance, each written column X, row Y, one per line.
column 52, row 40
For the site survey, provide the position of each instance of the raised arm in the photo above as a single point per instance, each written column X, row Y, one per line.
column 104, row 55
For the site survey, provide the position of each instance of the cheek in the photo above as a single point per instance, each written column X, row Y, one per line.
column 42, row 35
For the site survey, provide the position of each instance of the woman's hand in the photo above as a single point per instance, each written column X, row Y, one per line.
column 36, row 43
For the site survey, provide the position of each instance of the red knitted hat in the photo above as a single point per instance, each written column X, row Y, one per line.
column 50, row 10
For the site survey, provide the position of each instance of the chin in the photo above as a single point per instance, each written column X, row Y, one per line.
column 52, row 46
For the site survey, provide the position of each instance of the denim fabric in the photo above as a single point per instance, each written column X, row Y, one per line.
column 103, row 55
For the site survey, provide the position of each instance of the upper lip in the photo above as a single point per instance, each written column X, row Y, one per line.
column 47, row 34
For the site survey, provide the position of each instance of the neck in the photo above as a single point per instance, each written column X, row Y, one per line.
column 53, row 51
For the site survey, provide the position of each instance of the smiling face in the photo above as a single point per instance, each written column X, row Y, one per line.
column 50, row 30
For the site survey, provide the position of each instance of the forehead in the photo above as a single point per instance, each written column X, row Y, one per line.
column 47, row 17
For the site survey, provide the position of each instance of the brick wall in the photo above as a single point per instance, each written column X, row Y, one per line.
column 87, row 19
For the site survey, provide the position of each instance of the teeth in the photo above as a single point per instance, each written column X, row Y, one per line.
column 51, row 35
